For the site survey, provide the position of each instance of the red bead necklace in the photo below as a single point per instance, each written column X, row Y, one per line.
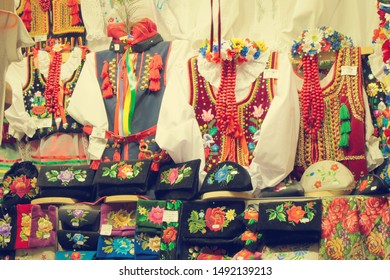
column 53, row 86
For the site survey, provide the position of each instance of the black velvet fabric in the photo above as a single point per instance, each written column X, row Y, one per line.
column 287, row 222
column 371, row 184
column 7, row 228
column 78, row 240
column 124, row 178
column 67, row 181
column 178, row 181
column 76, row 218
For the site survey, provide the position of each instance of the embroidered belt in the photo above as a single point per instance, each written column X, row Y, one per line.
column 121, row 139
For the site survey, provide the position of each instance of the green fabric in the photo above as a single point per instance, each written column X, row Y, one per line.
column 344, row 141
column 345, row 127
column 149, row 213
column 344, row 113
column 133, row 89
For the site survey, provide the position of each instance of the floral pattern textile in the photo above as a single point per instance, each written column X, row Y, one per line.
column 121, row 218
column 5, row 231
column 374, row 223
column 170, row 233
column 122, row 170
column 214, row 219
column 341, row 234
column 294, row 214
column 25, row 227
column 66, row 176
column 45, row 226
column 174, row 176
column 206, row 253
column 150, row 213
column 78, row 239
column 120, row 246
column 223, row 175
column 19, row 186
column 147, row 243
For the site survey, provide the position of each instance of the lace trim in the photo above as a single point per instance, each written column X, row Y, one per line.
column 377, row 65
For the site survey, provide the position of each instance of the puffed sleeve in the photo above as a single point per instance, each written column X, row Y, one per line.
column 275, row 151
column 177, row 128
column 86, row 106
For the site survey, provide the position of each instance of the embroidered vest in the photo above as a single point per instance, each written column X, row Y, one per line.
column 343, row 92
column 379, row 102
column 147, row 104
column 35, row 102
column 251, row 111
column 59, row 21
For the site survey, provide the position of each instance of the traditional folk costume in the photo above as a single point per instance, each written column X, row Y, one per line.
column 118, row 96
column 42, row 87
column 241, row 108
column 334, row 120
column 45, row 19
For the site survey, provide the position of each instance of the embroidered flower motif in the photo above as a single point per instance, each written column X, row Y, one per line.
column 312, row 42
column 175, row 175
column 169, row 234
column 5, row 231
column 335, row 248
column 156, row 215
column 76, row 256
column 121, row 245
column 78, row 239
column 45, row 226
column 207, row 116
column 372, row 89
column 20, row 186
column 78, row 215
column 25, row 227
column 223, row 175
column 122, row 170
column 328, row 176
column 375, row 243
column 121, row 218
column 207, row 140
column 251, row 215
column 215, row 148
column 66, row 176
column 364, row 184
column 258, row 111
column 148, row 243
column 215, row 219
column 295, row 214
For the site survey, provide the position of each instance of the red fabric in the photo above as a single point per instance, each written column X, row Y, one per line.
column 26, row 210
column 116, row 31
column 143, row 30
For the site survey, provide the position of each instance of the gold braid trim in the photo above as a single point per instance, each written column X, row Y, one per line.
column 40, row 19
column 62, row 19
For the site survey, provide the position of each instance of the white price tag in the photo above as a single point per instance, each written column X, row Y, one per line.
column 98, row 133
column 116, row 47
column 106, row 230
column 271, row 74
column 171, row 216
column 42, row 123
column 348, row 70
column 40, row 38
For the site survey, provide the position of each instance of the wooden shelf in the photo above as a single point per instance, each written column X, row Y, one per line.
column 226, row 195
column 120, row 198
column 54, row 200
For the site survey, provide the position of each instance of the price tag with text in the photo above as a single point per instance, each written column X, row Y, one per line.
column 171, row 216
column 106, row 230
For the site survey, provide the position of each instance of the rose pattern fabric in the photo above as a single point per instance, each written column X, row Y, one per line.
column 175, row 175
column 295, row 214
column 206, row 253
column 214, row 219
column 375, row 227
column 147, row 242
column 78, row 216
column 19, row 186
column 223, row 175
column 118, row 245
column 341, row 238
column 122, row 170
column 121, row 218
column 170, row 232
column 45, row 226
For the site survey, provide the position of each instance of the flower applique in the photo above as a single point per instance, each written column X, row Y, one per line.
column 19, row 186
column 121, row 218
column 122, row 170
column 121, row 245
column 65, row 176
column 207, row 253
column 223, row 175
column 174, row 176
column 25, row 227
column 170, row 229
column 154, row 215
column 366, row 183
column 294, row 214
column 5, row 231
column 146, row 242
column 74, row 256
column 78, row 239
column 78, row 215
column 45, row 226
column 214, row 219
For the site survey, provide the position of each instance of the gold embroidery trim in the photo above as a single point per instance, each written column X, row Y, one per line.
column 62, row 19
column 40, row 19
